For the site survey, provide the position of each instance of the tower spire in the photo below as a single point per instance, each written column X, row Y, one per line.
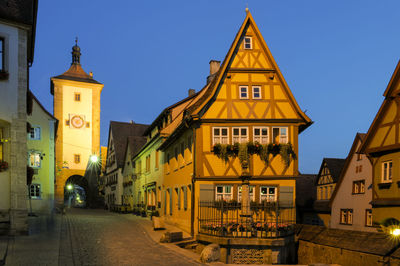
column 76, row 53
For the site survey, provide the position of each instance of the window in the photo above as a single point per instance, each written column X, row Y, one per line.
column 157, row 163
column 346, row 216
column 256, row 92
column 359, row 156
column 387, row 172
column 279, row 134
column 34, row 159
column 34, row 133
column 243, row 92
column 267, row 193
column 368, row 217
column 77, row 97
column 359, row 187
column 2, row 68
column 251, row 193
column 260, row 135
column 67, row 122
column 34, row 191
column 77, row 158
column 247, row 43
column 147, row 163
column 220, row 135
column 239, row 134
column 87, row 124
column 223, row 192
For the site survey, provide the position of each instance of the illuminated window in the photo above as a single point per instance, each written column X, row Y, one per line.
column 239, row 135
column 359, row 187
column 260, row 135
column 243, row 92
column 256, row 92
column 280, row 134
column 223, row 193
column 248, row 42
column 387, row 172
column 220, row 135
column 368, row 217
column 34, row 191
column 359, row 156
column 251, row 193
column 77, row 97
column 34, row 159
column 346, row 216
column 34, row 133
column 267, row 193
column 77, row 158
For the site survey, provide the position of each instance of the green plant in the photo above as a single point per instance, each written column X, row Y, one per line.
column 3, row 165
column 243, row 155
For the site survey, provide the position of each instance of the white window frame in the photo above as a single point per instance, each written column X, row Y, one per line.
column 268, row 195
column 37, row 161
column 368, row 217
column 252, row 89
column 221, row 139
column 250, row 42
column 224, row 195
column 281, row 140
column 240, row 136
column 252, row 190
column 387, row 173
column 35, row 191
column 35, row 133
column 240, row 92
column 255, row 137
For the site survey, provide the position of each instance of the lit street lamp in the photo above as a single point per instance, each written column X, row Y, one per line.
column 94, row 158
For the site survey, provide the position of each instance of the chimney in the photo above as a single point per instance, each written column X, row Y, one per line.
column 191, row 92
column 91, row 74
column 214, row 67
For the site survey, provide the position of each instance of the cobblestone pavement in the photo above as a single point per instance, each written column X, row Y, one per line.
column 97, row 237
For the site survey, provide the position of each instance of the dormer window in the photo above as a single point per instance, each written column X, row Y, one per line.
column 248, row 43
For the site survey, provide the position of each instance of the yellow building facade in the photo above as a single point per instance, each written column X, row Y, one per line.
column 77, row 107
column 246, row 100
column 382, row 145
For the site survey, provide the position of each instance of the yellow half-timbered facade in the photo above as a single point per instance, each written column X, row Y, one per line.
column 246, row 100
column 382, row 146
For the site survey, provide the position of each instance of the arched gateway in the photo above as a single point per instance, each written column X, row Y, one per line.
column 77, row 108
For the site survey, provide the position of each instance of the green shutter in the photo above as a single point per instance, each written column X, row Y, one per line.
column 285, row 196
column 207, row 192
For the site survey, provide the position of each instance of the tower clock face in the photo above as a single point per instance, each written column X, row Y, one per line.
column 77, row 121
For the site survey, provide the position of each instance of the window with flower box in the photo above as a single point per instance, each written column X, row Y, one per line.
column 260, row 135
column 223, row 192
column 268, row 193
column 280, row 135
column 220, row 135
column 387, row 172
column 239, row 135
column 251, row 193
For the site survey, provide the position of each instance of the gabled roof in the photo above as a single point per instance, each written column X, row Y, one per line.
column 394, row 80
column 76, row 73
column 120, row 132
column 199, row 108
column 334, row 165
column 358, row 138
column 30, row 94
column 135, row 144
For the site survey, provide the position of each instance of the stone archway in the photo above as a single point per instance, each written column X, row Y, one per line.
column 75, row 191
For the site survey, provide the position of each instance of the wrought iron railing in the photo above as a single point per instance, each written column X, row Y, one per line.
column 265, row 220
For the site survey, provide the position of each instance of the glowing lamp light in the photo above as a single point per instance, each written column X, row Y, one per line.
column 395, row 232
column 69, row 187
column 94, row 158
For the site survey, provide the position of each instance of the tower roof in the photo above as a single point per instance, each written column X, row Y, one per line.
column 76, row 72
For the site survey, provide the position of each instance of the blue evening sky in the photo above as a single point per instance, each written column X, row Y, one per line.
column 336, row 56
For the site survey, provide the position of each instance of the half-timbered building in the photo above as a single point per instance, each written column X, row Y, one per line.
column 382, row 146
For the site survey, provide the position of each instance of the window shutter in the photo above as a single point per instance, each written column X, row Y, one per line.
column 207, row 192
column 285, row 196
column 185, row 198
column 37, row 132
column 179, row 198
column 170, row 201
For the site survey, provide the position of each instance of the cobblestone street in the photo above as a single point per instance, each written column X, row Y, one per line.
column 93, row 237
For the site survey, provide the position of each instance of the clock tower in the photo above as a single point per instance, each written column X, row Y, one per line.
column 77, row 108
